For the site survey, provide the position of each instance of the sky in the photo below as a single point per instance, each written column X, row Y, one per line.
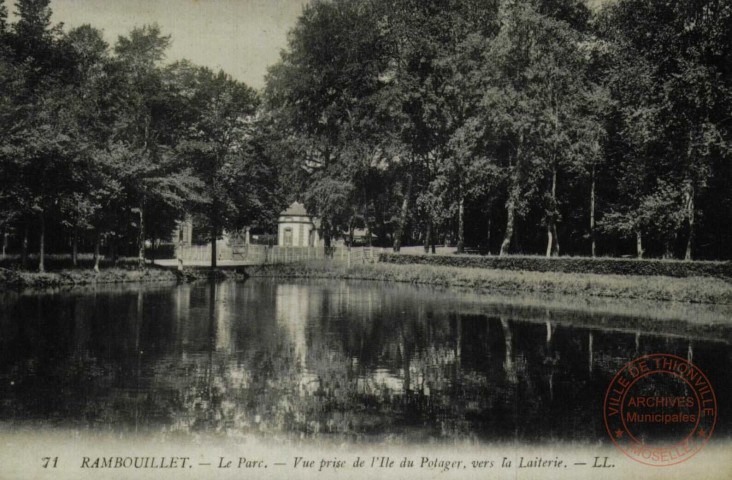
column 242, row 37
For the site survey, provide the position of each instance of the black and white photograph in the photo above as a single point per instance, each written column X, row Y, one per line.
column 365, row 239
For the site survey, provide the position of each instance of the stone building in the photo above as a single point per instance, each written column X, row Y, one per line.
column 183, row 233
column 297, row 228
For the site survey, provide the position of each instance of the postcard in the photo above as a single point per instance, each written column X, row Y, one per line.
column 298, row 239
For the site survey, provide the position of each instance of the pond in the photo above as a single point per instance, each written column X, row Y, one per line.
column 345, row 360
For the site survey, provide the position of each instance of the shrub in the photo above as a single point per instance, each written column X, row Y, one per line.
column 603, row 266
column 690, row 290
column 164, row 250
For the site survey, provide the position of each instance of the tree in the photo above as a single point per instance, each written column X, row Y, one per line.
column 328, row 99
column 8, row 82
column 38, row 143
column 534, row 109
column 684, row 49
column 90, row 108
column 154, row 179
column 3, row 17
column 218, row 143
column 472, row 170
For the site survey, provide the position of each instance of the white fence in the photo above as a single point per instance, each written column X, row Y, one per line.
column 262, row 254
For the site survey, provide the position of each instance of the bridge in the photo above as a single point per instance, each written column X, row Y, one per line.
column 199, row 256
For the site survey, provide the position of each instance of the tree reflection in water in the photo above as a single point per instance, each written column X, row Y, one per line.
column 351, row 361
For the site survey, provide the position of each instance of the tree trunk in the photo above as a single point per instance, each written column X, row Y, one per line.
column 113, row 248
column 326, row 234
column 96, row 252
column 141, row 239
column 669, row 241
column 511, row 217
column 368, row 232
column 75, row 247
column 42, row 244
column 511, row 213
column 639, row 243
column 552, row 246
column 179, row 255
column 428, row 237
column 351, row 233
column 5, row 243
column 403, row 215
column 488, row 236
column 690, row 215
column 24, row 250
column 592, row 212
column 214, row 234
column 461, row 225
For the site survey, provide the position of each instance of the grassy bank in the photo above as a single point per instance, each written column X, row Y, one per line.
column 693, row 289
column 22, row 279
column 19, row 279
column 689, row 289
column 600, row 265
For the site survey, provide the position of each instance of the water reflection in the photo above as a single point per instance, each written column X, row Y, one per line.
column 340, row 359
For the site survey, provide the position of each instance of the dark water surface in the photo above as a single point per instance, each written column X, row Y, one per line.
column 335, row 359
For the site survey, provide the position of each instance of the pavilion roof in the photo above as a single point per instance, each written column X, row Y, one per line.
column 296, row 209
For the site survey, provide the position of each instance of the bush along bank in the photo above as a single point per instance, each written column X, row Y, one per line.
column 600, row 266
column 657, row 288
column 21, row 279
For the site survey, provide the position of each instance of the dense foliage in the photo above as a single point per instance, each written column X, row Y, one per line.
column 109, row 148
column 509, row 124
column 501, row 125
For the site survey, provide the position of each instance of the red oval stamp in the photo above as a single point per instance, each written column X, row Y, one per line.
column 660, row 409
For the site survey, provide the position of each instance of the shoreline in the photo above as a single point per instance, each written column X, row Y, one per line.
column 18, row 280
column 690, row 290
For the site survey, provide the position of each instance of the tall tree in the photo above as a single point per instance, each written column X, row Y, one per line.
column 3, row 17
column 8, row 82
column 153, row 177
column 327, row 97
column 219, row 143
column 682, row 106
column 38, row 143
column 534, row 108
column 90, row 108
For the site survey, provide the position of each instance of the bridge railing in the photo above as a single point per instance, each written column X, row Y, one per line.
column 264, row 254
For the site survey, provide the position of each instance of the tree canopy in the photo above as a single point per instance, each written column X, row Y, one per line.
column 600, row 126
column 507, row 126
column 112, row 146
